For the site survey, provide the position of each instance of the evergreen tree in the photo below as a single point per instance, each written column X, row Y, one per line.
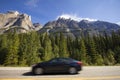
column 48, row 54
column 23, row 49
column 110, row 56
column 99, row 60
column 55, row 48
column 117, row 54
column 12, row 48
column 63, row 46
column 70, row 46
column 33, row 48
column 100, row 45
column 57, row 40
column 29, row 48
column 41, row 49
column 3, row 46
column 76, row 54
column 83, row 51
column 92, row 51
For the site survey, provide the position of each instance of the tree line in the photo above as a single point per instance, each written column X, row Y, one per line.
column 26, row 49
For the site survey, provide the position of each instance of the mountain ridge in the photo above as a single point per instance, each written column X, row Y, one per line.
column 76, row 28
column 22, row 23
column 11, row 20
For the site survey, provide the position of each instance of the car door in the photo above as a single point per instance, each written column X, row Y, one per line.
column 52, row 66
column 64, row 65
column 56, row 65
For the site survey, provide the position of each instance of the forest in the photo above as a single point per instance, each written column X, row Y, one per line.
column 26, row 49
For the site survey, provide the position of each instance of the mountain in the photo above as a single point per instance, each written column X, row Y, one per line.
column 21, row 23
column 13, row 20
column 37, row 26
column 74, row 28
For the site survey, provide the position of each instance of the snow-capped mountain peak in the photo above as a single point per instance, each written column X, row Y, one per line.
column 75, row 18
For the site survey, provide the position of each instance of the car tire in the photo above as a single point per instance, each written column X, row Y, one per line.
column 38, row 71
column 72, row 70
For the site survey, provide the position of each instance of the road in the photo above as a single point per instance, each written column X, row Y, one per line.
column 88, row 73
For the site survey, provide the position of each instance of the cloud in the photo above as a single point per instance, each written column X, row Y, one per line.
column 118, row 23
column 74, row 17
column 32, row 3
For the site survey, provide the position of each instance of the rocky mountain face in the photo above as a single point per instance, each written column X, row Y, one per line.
column 21, row 23
column 73, row 28
column 13, row 20
column 37, row 26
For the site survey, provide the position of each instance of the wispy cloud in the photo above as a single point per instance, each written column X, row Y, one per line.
column 118, row 23
column 32, row 3
column 74, row 17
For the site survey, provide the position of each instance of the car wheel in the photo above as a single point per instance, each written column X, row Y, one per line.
column 38, row 71
column 72, row 70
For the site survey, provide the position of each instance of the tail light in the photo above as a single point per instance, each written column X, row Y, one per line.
column 80, row 63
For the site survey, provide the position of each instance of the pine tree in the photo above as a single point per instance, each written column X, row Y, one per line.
column 23, row 50
column 3, row 46
column 33, row 48
column 76, row 54
column 41, row 49
column 92, row 51
column 70, row 46
column 12, row 48
column 63, row 46
column 48, row 54
column 100, row 44
column 117, row 54
column 55, row 48
column 83, row 51
column 110, row 56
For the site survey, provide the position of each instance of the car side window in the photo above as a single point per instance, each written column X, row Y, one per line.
column 63, row 60
column 54, row 61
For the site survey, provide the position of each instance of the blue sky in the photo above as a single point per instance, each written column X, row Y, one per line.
column 43, row 11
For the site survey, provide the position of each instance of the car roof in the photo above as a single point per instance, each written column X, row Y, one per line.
column 62, row 58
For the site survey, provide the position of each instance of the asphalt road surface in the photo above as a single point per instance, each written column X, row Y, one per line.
column 88, row 73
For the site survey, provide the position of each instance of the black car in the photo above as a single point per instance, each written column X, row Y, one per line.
column 58, row 65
